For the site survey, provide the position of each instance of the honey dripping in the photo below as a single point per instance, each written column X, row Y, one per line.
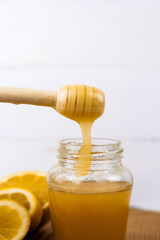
column 83, row 104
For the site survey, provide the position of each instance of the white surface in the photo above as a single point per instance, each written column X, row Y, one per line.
column 113, row 45
column 73, row 32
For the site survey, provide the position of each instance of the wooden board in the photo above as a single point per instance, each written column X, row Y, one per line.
column 142, row 225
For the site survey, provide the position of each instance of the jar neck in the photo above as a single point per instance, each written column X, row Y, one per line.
column 104, row 153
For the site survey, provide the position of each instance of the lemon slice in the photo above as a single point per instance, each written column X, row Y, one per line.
column 14, row 220
column 28, row 200
column 33, row 181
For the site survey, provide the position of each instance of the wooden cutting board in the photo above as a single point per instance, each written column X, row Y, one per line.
column 142, row 225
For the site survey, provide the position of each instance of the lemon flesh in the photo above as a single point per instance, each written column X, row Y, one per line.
column 28, row 200
column 14, row 220
column 34, row 181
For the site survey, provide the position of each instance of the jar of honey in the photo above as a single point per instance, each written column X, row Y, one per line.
column 90, row 205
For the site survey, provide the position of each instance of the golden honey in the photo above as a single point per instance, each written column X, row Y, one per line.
column 89, row 216
column 88, row 203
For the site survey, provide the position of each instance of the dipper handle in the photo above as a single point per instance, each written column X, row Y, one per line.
column 28, row 96
column 77, row 102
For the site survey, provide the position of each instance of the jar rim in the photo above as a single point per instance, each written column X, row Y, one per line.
column 101, row 149
column 96, row 142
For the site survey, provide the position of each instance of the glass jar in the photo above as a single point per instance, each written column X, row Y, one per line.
column 89, row 206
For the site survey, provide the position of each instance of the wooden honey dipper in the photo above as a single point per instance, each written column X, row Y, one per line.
column 73, row 101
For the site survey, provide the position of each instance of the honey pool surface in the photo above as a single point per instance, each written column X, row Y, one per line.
column 90, row 216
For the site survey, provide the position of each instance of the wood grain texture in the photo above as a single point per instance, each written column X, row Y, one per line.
column 142, row 225
column 28, row 96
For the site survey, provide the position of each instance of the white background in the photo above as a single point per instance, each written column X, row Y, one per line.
column 114, row 45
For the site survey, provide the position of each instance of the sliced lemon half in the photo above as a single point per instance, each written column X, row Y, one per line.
column 14, row 220
column 34, row 181
column 28, row 200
